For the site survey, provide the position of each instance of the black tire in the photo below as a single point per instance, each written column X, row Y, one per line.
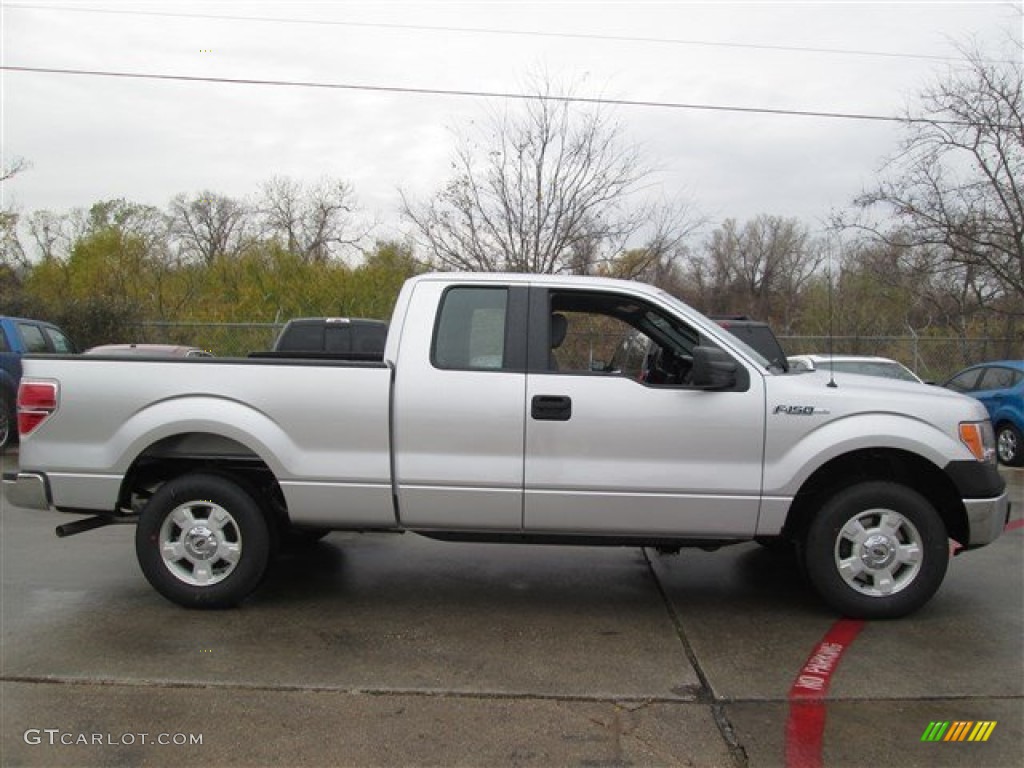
column 8, row 421
column 1009, row 446
column 203, row 541
column 876, row 550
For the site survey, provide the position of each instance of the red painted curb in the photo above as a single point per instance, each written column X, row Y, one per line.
column 805, row 726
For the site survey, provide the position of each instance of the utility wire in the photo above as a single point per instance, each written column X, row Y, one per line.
column 487, row 94
column 495, row 31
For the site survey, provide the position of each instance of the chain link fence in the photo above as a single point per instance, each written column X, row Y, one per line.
column 933, row 358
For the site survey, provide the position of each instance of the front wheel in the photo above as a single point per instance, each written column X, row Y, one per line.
column 203, row 541
column 876, row 550
column 1008, row 446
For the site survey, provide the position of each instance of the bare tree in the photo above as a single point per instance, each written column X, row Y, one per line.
column 12, row 254
column 956, row 186
column 547, row 189
column 12, row 169
column 314, row 222
column 209, row 226
column 759, row 268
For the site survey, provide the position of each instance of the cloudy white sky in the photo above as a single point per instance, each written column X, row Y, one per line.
column 90, row 138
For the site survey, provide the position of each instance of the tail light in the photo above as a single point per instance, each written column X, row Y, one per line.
column 37, row 401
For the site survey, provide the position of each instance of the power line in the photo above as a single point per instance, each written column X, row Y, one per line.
column 507, row 32
column 485, row 94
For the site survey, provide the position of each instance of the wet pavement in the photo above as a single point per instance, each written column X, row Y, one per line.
column 396, row 650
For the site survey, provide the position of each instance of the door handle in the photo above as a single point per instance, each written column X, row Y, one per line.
column 551, row 408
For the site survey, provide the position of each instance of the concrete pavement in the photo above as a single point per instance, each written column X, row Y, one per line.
column 396, row 650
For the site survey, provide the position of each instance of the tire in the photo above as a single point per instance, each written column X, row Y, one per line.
column 8, row 422
column 877, row 550
column 203, row 541
column 1009, row 446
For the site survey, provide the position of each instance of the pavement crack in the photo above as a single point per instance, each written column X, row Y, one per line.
column 356, row 690
column 706, row 694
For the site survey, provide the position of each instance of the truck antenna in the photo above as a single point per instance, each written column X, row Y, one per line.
column 831, row 316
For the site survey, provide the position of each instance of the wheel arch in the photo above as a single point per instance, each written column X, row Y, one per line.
column 891, row 464
column 179, row 454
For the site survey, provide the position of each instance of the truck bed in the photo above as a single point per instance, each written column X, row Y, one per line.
column 319, row 434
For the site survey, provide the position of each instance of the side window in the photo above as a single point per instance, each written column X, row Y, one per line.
column 619, row 335
column 61, row 344
column 997, row 378
column 965, row 382
column 470, row 332
column 33, row 339
column 4, row 344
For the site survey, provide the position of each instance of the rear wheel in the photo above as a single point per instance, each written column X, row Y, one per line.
column 876, row 550
column 203, row 541
column 1009, row 446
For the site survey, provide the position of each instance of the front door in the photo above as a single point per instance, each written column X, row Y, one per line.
column 619, row 442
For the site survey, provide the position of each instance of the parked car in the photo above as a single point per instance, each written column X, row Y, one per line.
column 1000, row 387
column 866, row 365
column 148, row 350
column 20, row 336
column 757, row 335
column 335, row 338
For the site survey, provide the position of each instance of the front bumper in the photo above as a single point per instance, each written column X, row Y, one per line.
column 986, row 519
column 985, row 498
column 29, row 490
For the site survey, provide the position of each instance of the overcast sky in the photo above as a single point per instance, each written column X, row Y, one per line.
column 91, row 138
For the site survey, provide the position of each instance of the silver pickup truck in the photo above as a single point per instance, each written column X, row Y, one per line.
column 515, row 408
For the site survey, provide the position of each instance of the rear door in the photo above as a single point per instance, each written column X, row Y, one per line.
column 618, row 441
column 459, row 399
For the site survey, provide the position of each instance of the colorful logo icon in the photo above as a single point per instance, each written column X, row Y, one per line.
column 959, row 730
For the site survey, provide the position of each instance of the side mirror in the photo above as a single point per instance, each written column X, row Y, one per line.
column 713, row 369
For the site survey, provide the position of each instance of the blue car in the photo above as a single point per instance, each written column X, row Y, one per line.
column 1000, row 386
column 18, row 337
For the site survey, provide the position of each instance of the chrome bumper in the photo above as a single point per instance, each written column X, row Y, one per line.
column 29, row 490
column 986, row 519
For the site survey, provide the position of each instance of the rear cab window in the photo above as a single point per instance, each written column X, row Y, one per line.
column 471, row 329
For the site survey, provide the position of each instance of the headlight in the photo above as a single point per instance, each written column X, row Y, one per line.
column 979, row 439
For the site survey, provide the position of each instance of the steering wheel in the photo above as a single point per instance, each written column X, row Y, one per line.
column 666, row 366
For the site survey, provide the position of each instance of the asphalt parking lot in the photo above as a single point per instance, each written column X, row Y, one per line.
column 399, row 651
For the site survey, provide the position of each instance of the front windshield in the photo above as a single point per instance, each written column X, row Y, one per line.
column 735, row 341
column 873, row 368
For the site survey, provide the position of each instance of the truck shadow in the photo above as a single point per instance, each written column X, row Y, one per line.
column 412, row 571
